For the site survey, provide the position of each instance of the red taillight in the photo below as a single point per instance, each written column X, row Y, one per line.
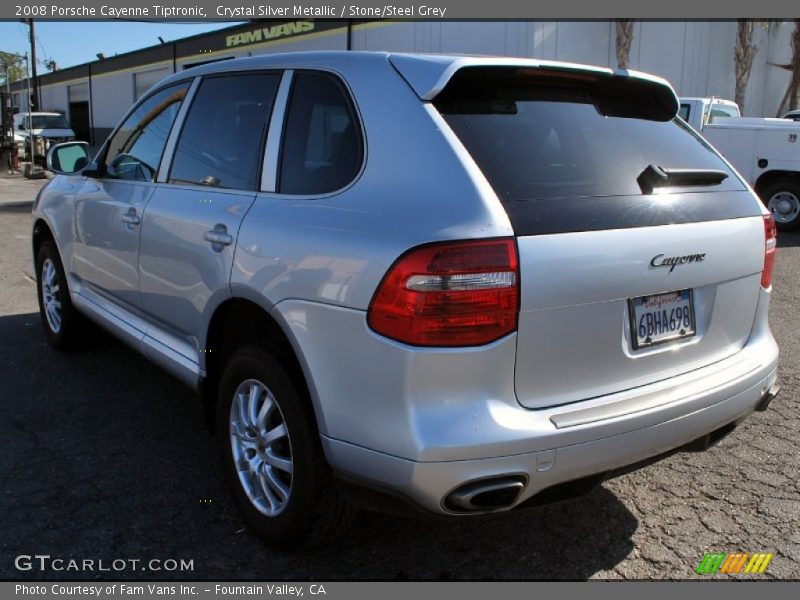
column 770, row 249
column 449, row 294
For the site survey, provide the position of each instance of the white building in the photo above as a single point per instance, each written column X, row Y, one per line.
column 696, row 56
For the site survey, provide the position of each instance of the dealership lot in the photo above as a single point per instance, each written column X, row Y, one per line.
column 107, row 458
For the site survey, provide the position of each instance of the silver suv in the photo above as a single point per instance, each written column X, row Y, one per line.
column 452, row 284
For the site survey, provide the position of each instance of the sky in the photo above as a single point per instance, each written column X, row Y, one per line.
column 74, row 43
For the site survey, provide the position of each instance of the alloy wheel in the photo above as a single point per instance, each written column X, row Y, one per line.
column 261, row 448
column 51, row 295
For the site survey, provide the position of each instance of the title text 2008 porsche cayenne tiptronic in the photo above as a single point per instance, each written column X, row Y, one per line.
column 462, row 285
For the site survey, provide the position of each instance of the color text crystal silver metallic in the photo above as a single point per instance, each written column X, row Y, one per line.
column 433, row 282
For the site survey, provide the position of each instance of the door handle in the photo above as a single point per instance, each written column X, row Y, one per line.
column 218, row 236
column 131, row 218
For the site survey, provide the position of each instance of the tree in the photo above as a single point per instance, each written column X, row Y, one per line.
column 624, row 41
column 11, row 67
column 791, row 99
column 743, row 54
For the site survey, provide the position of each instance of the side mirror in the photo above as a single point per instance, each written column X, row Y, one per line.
column 68, row 158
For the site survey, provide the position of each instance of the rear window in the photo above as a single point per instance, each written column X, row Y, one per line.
column 722, row 111
column 548, row 137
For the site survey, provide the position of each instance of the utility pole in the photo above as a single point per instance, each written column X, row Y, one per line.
column 30, row 140
column 13, row 166
column 34, row 81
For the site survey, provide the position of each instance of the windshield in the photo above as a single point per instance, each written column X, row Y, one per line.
column 48, row 122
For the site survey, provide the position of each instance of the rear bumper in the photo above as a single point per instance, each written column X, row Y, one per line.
column 428, row 483
column 422, row 424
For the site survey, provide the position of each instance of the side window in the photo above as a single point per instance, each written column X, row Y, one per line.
column 684, row 111
column 224, row 132
column 135, row 151
column 322, row 147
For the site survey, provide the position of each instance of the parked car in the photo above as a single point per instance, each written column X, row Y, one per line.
column 764, row 151
column 48, row 128
column 444, row 284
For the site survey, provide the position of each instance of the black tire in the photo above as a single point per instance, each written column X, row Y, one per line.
column 313, row 511
column 791, row 188
column 73, row 326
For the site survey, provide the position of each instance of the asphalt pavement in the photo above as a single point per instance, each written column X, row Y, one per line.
column 107, row 458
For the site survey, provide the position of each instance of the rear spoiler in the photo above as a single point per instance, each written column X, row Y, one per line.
column 428, row 75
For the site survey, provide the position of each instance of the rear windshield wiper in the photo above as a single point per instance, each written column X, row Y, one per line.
column 655, row 177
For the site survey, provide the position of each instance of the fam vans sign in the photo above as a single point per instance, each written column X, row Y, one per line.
column 272, row 32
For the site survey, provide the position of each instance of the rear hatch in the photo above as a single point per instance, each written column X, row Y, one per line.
column 640, row 250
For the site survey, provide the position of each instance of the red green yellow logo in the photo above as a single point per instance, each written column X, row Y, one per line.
column 740, row 562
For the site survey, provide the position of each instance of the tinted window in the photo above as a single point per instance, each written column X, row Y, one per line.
column 534, row 138
column 135, row 150
column 224, row 132
column 684, row 111
column 322, row 147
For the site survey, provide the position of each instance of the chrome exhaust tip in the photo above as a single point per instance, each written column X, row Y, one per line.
column 767, row 398
column 485, row 495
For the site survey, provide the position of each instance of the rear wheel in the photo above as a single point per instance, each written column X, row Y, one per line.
column 783, row 201
column 272, row 456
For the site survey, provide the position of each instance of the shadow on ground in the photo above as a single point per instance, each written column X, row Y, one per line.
column 788, row 239
column 16, row 207
column 106, row 457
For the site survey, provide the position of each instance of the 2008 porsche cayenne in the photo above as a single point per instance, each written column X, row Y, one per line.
column 457, row 284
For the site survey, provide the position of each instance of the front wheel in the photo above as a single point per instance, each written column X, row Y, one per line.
column 63, row 325
column 271, row 453
column 783, row 201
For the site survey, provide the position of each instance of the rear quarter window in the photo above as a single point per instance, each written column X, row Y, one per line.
column 322, row 143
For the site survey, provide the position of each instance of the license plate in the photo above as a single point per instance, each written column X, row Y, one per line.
column 661, row 318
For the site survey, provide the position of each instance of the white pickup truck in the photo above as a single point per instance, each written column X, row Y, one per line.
column 48, row 128
column 766, row 152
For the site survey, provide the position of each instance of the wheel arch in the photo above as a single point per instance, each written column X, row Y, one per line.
column 769, row 178
column 41, row 233
column 238, row 322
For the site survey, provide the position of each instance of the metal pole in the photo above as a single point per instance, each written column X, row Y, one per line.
column 30, row 108
column 31, row 138
column 7, row 112
column 12, row 149
column 33, row 66
column 91, row 109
